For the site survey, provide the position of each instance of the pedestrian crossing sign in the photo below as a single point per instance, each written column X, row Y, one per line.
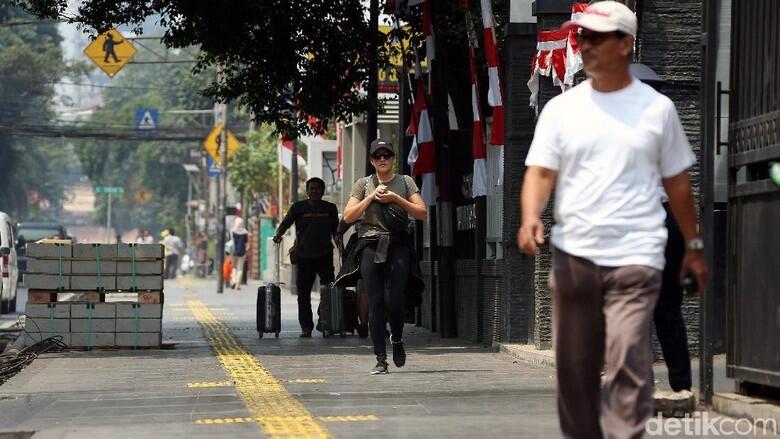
column 110, row 51
column 146, row 119
column 211, row 143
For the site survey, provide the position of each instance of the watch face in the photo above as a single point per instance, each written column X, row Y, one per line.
column 695, row 244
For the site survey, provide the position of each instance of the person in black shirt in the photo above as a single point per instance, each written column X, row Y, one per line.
column 315, row 224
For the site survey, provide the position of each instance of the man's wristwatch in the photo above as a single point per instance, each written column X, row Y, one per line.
column 694, row 244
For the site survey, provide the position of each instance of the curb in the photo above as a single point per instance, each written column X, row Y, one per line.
column 529, row 354
column 741, row 406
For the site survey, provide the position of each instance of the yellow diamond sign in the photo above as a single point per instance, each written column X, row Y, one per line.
column 211, row 143
column 110, row 51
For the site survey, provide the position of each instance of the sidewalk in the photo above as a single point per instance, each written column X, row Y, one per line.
column 225, row 384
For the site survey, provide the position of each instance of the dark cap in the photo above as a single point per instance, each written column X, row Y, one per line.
column 378, row 144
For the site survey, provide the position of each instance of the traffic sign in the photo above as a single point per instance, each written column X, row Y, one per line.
column 110, row 51
column 109, row 190
column 146, row 119
column 211, row 143
column 143, row 196
column 213, row 168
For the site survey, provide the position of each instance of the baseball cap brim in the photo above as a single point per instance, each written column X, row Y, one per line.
column 591, row 22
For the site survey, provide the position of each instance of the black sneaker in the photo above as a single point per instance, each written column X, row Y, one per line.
column 380, row 368
column 399, row 354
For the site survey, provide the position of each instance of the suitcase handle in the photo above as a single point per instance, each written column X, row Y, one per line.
column 277, row 261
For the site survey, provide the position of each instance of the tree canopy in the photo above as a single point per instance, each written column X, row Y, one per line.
column 31, row 64
column 283, row 60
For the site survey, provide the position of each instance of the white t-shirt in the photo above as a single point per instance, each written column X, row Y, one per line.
column 173, row 244
column 610, row 151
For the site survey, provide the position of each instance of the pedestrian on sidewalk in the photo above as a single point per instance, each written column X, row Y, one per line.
column 383, row 257
column 240, row 247
column 668, row 318
column 173, row 250
column 312, row 254
column 605, row 145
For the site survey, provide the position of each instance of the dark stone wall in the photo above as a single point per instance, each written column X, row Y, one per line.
column 517, row 297
column 467, row 300
column 669, row 41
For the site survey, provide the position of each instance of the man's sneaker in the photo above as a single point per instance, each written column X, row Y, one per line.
column 306, row 333
column 399, row 353
column 380, row 368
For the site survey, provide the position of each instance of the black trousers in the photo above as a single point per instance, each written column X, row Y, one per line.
column 171, row 265
column 306, row 270
column 669, row 323
column 385, row 284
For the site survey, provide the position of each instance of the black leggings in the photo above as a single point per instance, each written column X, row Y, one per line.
column 386, row 287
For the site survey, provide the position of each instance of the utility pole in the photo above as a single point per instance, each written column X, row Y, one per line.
column 108, row 220
column 220, row 116
column 294, row 173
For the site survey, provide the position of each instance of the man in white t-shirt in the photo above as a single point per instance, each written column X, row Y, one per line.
column 604, row 145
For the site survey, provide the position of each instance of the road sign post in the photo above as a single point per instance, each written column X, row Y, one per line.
column 109, row 190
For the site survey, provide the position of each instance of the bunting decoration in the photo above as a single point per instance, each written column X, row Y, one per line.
column 478, row 151
column 494, row 89
column 423, row 148
column 557, row 56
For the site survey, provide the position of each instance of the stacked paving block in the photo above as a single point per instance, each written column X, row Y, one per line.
column 70, row 289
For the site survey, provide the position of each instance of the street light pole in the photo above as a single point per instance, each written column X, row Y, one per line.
column 108, row 220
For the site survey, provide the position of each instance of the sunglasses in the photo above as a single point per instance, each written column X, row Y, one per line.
column 596, row 38
column 383, row 155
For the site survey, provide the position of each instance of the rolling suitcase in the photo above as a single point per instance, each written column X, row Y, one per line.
column 269, row 303
column 331, row 311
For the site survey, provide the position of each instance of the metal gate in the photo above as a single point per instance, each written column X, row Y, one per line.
column 754, row 201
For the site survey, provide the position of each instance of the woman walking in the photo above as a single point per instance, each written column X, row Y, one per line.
column 383, row 257
column 240, row 246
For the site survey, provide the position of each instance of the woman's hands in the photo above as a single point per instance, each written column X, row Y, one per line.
column 384, row 195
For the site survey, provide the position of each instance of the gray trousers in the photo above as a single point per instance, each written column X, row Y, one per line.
column 603, row 314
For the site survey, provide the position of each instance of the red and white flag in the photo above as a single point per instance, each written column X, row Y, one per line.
column 478, row 151
column 422, row 156
column 285, row 155
column 557, row 56
column 494, row 89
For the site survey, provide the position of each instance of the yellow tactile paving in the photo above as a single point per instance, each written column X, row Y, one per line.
column 268, row 402
column 219, row 421
column 210, row 384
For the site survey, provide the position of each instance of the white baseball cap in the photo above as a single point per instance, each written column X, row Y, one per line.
column 606, row 16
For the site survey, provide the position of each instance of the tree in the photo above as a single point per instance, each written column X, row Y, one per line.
column 284, row 60
column 30, row 64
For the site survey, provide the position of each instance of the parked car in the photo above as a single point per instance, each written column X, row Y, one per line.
column 32, row 232
column 9, row 272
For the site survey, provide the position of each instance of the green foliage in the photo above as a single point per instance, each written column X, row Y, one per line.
column 284, row 60
column 253, row 168
column 30, row 63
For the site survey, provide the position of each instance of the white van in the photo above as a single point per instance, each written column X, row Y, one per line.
column 9, row 272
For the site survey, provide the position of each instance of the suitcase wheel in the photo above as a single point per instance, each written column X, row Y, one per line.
column 325, row 334
column 343, row 334
column 260, row 333
column 277, row 335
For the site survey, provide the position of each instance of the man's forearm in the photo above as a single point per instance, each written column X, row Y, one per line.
column 678, row 189
column 537, row 187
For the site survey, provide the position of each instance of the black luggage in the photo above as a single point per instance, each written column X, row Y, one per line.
column 337, row 311
column 269, row 303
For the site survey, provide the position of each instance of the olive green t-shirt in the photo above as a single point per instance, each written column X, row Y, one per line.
column 373, row 220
